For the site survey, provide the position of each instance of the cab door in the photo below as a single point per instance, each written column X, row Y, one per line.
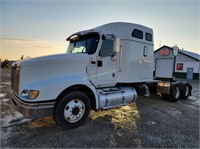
column 106, row 71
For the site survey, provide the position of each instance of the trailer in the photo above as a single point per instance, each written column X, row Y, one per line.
column 104, row 67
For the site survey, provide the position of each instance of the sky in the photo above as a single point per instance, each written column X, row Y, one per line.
column 35, row 28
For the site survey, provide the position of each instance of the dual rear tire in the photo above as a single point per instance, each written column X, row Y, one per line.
column 178, row 91
column 174, row 95
column 186, row 91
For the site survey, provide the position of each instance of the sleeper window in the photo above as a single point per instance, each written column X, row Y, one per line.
column 148, row 36
column 137, row 34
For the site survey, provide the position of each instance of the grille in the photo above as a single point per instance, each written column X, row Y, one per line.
column 15, row 79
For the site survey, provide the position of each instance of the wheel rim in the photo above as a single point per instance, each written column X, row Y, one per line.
column 177, row 92
column 186, row 91
column 74, row 110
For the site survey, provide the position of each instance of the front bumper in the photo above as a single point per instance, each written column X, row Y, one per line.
column 32, row 110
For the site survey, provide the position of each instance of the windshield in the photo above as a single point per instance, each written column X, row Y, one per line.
column 84, row 44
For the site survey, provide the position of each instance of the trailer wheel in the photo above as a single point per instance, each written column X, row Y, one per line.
column 175, row 93
column 186, row 91
column 71, row 110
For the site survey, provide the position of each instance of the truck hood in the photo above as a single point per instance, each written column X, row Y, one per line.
column 59, row 58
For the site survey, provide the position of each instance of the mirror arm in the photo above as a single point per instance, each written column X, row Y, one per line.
column 117, row 45
column 120, row 59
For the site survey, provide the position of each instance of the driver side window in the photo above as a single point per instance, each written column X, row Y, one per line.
column 79, row 47
column 106, row 48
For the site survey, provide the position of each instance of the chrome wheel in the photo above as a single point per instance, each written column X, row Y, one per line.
column 71, row 110
column 74, row 110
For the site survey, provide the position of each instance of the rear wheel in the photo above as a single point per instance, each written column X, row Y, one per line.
column 175, row 93
column 71, row 110
column 186, row 91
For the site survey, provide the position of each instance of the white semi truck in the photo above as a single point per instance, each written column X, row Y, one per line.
column 104, row 67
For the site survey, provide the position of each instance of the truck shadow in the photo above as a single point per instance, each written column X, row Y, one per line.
column 119, row 127
column 108, row 128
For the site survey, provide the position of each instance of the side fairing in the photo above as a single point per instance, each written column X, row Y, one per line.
column 136, row 67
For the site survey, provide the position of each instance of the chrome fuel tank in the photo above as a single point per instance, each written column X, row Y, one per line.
column 116, row 96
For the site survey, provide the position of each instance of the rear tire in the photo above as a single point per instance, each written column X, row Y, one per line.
column 175, row 93
column 186, row 91
column 71, row 110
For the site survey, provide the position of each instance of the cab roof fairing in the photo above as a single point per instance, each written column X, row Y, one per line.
column 121, row 30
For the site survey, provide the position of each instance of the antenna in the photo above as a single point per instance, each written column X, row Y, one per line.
column 160, row 43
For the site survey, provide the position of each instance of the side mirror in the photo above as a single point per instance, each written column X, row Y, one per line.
column 117, row 45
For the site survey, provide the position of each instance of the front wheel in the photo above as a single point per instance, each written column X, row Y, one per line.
column 71, row 110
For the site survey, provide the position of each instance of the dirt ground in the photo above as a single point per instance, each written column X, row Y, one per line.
column 147, row 123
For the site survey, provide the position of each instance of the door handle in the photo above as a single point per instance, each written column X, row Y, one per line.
column 93, row 62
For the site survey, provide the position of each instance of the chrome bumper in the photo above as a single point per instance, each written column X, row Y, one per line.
column 32, row 110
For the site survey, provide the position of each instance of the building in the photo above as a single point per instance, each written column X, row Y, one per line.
column 185, row 65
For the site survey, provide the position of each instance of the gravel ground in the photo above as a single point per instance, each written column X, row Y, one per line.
column 147, row 123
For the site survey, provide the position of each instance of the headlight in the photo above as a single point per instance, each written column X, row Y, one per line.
column 29, row 94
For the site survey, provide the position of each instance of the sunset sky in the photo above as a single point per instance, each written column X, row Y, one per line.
column 40, row 27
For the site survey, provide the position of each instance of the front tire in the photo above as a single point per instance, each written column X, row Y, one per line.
column 71, row 110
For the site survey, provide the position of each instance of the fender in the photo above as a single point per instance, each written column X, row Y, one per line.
column 50, row 88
